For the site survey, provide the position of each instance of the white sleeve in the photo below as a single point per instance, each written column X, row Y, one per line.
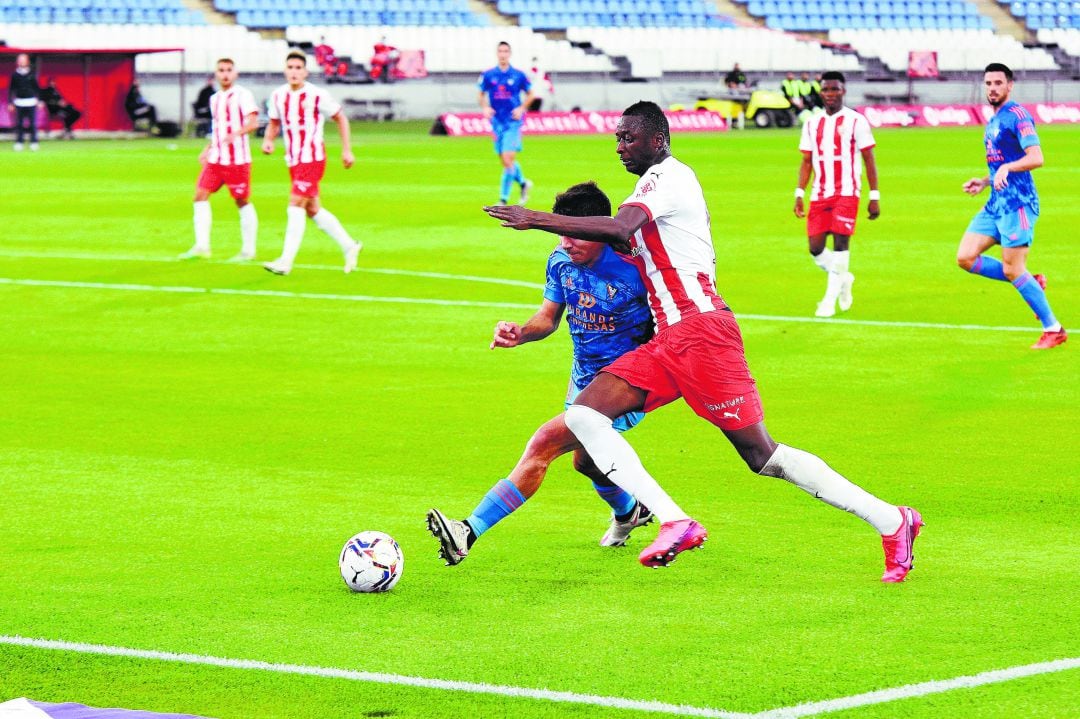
column 272, row 109
column 329, row 105
column 247, row 103
column 805, row 143
column 864, row 138
column 658, row 193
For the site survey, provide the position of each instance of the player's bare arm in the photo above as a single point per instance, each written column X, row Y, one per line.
column 519, row 111
column 1032, row 159
column 485, row 107
column 873, row 208
column 805, row 170
column 273, row 129
column 347, row 157
column 976, row 185
column 615, row 231
column 539, row 326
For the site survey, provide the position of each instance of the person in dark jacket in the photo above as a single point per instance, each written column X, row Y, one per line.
column 59, row 107
column 138, row 108
column 202, row 108
column 24, row 96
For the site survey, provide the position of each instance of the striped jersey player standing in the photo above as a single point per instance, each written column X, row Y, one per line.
column 298, row 111
column 697, row 352
column 1009, row 216
column 835, row 145
column 226, row 160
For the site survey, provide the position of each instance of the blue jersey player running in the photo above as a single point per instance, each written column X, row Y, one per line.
column 608, row 315
column 500, row 100
column 1009, row 216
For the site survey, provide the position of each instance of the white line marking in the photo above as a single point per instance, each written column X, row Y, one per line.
column 256, row 293
column 919, row 690
column 883, row 696
column 466, row 303
column 380, row 678
column 333, row 268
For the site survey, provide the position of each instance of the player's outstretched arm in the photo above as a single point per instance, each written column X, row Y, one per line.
column 539, row 326
column 873, row 208
column 273, row 129
column 976, row 185
column 805, row 170
column 347, row 158
column 615, row 231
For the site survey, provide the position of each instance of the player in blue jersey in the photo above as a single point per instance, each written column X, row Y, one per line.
column 1009, row 216
column 604, row 299
column 500, row 100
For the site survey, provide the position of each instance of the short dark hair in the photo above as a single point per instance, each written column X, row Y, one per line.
column 999, row 67
column 226, row 59
column 296, row 55
column 503, row 42
column 652, row 116
column 833, row 75
column 584, row 199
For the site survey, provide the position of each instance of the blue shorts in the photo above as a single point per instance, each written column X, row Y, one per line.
column 507, row 135
column 1013, row 229
column 623, row 423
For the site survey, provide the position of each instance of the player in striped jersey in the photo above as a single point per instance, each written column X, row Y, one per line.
column 226, row 160
column 697, row 353
column 298, row 111
column 1009, row 216
column 835, row 145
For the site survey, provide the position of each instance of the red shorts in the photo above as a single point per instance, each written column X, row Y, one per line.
column 700, row 359
column 305, row 178
column 833, row 214
column 236, row 177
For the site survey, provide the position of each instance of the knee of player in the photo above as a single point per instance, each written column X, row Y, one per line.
column 965, row 262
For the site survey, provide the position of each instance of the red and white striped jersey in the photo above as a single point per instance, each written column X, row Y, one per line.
column 228, row 109
column 673, row 251
column 836, row 143
column 302, row 114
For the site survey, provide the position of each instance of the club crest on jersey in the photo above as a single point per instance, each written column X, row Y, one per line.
column 648, row 187
column 611, row 292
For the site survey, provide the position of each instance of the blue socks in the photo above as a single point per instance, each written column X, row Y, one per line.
column 988, row 267
column 505, row 185
column 1034, row 295
column 620, row 501
column 497, row 504
column 519, row 176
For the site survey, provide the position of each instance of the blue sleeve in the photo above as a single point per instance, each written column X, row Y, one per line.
column 481, row 83
column 553, row 290
column 1024, row 127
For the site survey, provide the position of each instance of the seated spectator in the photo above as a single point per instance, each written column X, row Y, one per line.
column 810, row 90
column 383, row 61
column 59, row 108
column 791, row 89
column 138, row 108
column 201, row 106
column 736, row 79
column 324, row 54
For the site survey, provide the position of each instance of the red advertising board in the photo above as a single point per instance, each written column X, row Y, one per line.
column 466, row 124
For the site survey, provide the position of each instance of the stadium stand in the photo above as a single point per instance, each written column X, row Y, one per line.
column 1046, row 14
column 1067, row 39
column 457, row 49
column 653, row 51
column 822, row 15
column 561, row 14
column 957, row 49
column 276, row 14
column 135, row 12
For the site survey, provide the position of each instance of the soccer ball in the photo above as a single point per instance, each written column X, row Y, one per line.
column 371, row 562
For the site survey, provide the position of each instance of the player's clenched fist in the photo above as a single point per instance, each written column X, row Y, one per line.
column 507, row 334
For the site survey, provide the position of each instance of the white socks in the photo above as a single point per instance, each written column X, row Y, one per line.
column 613, row 454
column 810, row 474
column 328, row 223
column 836, row 264
column 294, row 234
column 202, row 225
column 249, row 229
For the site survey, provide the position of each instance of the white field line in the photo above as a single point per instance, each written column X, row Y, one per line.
column 908, row 691
column 333, row 268
column 465, row 303
column 380, row 678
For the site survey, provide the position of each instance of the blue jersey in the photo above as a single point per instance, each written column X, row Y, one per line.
column 1008, row 133
column 504, row 90
column 606, row 308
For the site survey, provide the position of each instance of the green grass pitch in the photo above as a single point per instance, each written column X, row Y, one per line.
column 178, row 470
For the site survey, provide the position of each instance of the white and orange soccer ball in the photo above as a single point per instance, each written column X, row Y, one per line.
column 371, row 562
